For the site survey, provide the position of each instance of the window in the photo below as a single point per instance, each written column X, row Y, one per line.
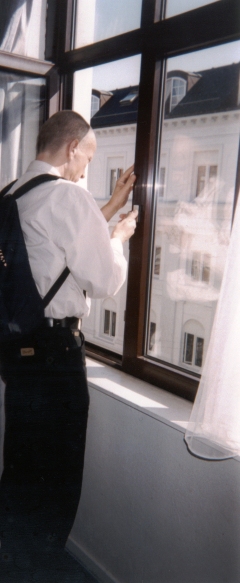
column 110, row 323
column 129, row 98
column 157, row 261
column 95, row 105
column 162, row 176
column 185, row 5
column 193, row 345
column 200, row 267
column 152, row 332
column 206, row 177
column 180, row 126
column 175, row 91
column 114, row 175
column 104, row 18
column 193, row 350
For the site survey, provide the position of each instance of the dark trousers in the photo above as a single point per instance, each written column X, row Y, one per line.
column 46, row 408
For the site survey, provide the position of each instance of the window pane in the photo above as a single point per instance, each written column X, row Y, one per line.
column 22, row 28
column 114, row 123
column 199, row 149
column 114, row 319
column 176, row 7
column 106, row 322
column 100, row 19
column 188, row 348
column 22, row 110
column 199, row 352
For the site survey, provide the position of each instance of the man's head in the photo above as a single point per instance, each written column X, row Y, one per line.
column 67, row 142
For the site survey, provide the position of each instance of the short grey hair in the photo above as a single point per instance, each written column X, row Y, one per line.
column 62, row 127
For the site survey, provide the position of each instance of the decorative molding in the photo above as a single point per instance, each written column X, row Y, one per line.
column 24, row 64
column 116, row 130
column 200, row 119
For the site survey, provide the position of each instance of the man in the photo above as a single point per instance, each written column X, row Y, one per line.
column 46, row 392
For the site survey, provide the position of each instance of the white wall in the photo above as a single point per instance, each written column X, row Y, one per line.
column 150, row 512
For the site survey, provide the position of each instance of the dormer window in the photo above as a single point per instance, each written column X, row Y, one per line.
column 129, row 98
column 176, row 90
column 95, row 105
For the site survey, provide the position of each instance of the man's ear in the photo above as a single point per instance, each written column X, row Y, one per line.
column 71, row 148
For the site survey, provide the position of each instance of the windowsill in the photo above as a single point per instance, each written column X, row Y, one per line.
column 157, row 403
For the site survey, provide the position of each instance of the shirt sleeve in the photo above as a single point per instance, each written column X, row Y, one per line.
column 79, row 228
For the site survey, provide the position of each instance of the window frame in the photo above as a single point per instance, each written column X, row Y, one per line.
column 197, row 29
column 156, row 40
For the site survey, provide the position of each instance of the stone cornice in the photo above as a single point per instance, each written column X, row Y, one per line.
column 202, row 120
column 116, row 130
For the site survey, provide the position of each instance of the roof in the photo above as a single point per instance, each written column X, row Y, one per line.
column 216, row 90
column 115, row 113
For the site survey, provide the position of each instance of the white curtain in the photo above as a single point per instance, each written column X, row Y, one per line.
column 213, row 431
column 22, row 105
column 23, row 27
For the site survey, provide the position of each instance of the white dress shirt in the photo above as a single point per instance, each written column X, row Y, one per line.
column 62, row 225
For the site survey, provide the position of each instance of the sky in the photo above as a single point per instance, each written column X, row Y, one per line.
column 126, row 72
column 114, row 17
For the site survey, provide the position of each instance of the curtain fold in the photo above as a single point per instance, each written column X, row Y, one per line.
column 213, row 431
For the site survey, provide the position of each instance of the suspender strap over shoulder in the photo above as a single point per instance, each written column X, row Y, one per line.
column 32, row 183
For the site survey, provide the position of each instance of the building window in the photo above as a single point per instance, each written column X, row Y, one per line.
column 206, row 178
column 162, row 183
column 109, row 326
column 115, row 174
column 95, row 105
column 152, row 332
column 200, row 266
column 157, row 261
column 193, row 349
column 129, row 98
column 176, row 90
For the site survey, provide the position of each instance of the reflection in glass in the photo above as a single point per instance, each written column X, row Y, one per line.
column 199, row 150
column 22, row 110
column 110, row 99
column 22, row 27
column 100, row 19
column 175, row 7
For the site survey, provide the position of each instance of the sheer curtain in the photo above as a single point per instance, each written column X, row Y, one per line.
column 22, row 105
column 22, row 27
column 213, row 431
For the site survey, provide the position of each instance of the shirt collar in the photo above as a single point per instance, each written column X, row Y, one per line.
column 42, row 168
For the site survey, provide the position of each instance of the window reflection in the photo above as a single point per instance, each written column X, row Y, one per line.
column 100, row 19
column 199, row 149
column 175, row 7
column 22, row 110
column 22, row 27
column 110, row 99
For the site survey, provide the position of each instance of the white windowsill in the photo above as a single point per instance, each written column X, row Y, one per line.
column 152, row 401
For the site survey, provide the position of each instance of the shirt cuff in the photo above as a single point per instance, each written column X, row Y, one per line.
column 117, row 245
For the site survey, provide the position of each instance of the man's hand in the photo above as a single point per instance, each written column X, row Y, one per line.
column 125, row 227
column 120, row 194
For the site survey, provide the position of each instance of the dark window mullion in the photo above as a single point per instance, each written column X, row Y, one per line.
column 139, row 261
column 193, row 30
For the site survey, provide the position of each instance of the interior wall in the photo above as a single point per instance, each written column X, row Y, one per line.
column 150, row 512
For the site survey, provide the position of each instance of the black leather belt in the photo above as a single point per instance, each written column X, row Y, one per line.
column 73, row 323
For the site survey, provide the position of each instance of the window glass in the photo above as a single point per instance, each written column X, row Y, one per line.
column 100, row 19
column 199, row 152
column 22, row 27
column 175, row 7
column 22, row 110
column 115, row 85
